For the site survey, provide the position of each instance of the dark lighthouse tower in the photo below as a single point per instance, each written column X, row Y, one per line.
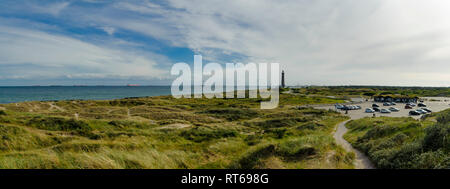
column 282, row 80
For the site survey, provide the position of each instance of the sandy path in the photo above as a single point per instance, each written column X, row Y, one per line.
column 53, row 106
column 361, row 160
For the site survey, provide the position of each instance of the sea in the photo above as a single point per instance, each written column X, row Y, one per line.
column 50, row 93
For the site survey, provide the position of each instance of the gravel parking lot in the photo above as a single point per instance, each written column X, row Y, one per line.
column 435, row 104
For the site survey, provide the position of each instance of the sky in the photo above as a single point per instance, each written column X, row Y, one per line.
column 316, row 42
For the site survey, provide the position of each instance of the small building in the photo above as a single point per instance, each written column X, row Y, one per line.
column 396, row 98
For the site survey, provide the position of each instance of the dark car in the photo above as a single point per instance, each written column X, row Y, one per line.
column 376, row 109
column 413, row 112
column 375, row 105
column 427, row 110
column 421, row 105
column 408, row 107
column 346, row 108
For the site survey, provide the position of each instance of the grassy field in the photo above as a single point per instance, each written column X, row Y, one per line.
column 369, row 91
column 163, row 132
column 403, row 143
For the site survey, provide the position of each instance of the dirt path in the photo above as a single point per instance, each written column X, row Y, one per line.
column 361, row 161
column 53, row 106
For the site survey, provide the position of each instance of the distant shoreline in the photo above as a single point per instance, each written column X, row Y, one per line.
column 19, row 94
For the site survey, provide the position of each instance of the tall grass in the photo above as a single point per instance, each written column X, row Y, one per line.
column 403, row 143
column 163, row 132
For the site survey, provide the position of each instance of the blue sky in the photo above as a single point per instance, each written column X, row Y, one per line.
column 321, row 42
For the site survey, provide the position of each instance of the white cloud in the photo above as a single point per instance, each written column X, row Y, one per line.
column 324, row 42
column 53, row 9
column 317, row 42
column 108, row 30
column 35, row 54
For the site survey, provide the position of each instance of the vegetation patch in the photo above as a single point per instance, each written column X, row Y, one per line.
column 231, row 114
column 18, row 139
column 403, row 143
column 201, row 134
column 164, row 132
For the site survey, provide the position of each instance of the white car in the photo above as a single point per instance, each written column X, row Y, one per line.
column 421, row 111
column 385, row 111
column 338, row 106
column 392, row 109
column 369, row 110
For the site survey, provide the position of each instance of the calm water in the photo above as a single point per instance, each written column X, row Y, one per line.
column 21, row 94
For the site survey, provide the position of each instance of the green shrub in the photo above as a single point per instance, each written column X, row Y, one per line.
column 278, row 122
column 232, row 114
column 127, row 124
column 443, row 117
column 295, row 150
column 253, row 139
column 403, row 143
column 430, row 160
column 310, row 126
column 277, row 132
column 201, row 134
column 61, row 124
column 437, row 137
column 377, row 132
column 250, row 159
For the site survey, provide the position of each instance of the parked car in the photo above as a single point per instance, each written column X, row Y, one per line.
column 385, row 111
column 421, row 105
column 428, row 110
column 375, row 106
column 369, row 110
column 393, row 103
column 408, row 107
column 346, row 108
column 413, row 112
column 411, row 104
column 392, row 109
column 376, row 109
column 421, row 111
column 386, row 104
column 358, row 107
column 338, row 106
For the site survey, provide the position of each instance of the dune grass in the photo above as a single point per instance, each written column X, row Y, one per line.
column 163, row 132
column 403, row 143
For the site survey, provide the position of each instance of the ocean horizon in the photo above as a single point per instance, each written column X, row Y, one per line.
column 14, row 94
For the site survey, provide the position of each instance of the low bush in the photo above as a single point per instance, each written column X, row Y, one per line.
column 62, row 124
column 232, row 114
column 278, row 122
column 201, row 134
column 403, row 143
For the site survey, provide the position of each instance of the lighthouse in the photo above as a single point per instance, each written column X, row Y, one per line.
column 282, row 80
